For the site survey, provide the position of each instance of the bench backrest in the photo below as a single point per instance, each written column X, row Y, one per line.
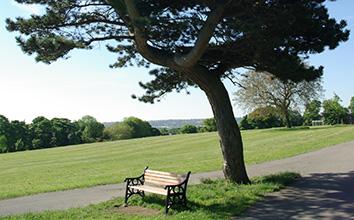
column 153, row 177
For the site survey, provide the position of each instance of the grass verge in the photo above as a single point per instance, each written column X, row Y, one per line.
column 213, row 199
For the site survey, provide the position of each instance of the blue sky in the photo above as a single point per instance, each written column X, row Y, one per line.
column 85, row 85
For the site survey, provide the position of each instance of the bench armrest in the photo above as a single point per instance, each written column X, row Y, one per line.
column 182, row 184
column 135, row 181
column 133, row 178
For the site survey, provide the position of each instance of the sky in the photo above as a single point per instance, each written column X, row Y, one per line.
column 85, row 85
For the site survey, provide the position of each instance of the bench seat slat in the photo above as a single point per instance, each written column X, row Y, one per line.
column 159, row 183
column 151, row 189
column 163, row 176
column 157, row 179
column 161, row 173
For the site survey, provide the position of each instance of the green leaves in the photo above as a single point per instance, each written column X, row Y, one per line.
column 48, row 48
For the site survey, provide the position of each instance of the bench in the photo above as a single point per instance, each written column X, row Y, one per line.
column 171, row 185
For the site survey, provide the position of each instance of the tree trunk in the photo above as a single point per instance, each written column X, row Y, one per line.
column 287, row 118
column 229, row 132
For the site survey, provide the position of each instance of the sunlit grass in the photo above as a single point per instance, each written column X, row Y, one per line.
column 30, row 172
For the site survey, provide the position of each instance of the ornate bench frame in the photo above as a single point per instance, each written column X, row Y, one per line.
column 176, row 194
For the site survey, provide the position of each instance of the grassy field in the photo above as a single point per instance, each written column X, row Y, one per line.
column 210, row 200
column 30, row 172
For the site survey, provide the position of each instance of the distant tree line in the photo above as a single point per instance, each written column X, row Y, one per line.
column 44, row 133
column 332, row 113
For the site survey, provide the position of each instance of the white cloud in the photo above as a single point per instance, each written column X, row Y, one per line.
column 32, row 9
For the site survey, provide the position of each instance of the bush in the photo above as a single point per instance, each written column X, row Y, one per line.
column 296, row 118
column 265, row 117
column 209, row 125
column 189, row 129
column 119, row 131
column 131, row 127
column 245, row 124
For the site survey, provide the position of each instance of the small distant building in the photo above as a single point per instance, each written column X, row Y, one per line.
column 317, row 122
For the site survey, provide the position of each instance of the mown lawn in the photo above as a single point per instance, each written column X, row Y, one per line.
column 30, row 172
column 210, row 200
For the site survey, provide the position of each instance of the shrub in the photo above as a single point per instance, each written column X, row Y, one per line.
column 189, row 129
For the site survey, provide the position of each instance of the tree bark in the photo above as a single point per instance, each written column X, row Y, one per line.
column 230, row 136
column 229, row 132
column 287, row 118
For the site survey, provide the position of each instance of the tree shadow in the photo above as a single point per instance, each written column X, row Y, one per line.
column 318, row 196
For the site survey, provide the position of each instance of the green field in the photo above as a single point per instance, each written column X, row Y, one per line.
column 30, row 172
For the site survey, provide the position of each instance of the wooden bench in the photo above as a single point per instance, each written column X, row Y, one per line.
column 171, row 185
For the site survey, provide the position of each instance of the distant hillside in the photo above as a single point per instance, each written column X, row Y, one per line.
column 175, row 123
column 108, row 124
column 171, row 123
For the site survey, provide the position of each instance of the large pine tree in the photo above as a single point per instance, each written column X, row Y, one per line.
column 194, row 43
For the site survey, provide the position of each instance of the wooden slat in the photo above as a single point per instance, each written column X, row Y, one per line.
column 154, row 178
column 161, row 173
column 157, row 176
column 160, row 182
column 151, row 189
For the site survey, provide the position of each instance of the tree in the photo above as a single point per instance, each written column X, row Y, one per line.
column 333, row 111
column 263, row 89
column 188, row 129
column 351, row 109
column 296, row 118
column 65, row 132
column 41, row 131
column 245, row 124
column 312, row 112
column 20, row 136
column 351, row 105
column 119, row 131
column 91, row 129
column 193, row 43
column 130, row 127
column 140, row 128
column 209, row 124
column 3, row 143
column 264, row 117
column 5, row 127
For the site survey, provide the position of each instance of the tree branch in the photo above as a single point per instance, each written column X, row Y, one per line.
column 152, row 54
column 107, row 38
column 203, row 38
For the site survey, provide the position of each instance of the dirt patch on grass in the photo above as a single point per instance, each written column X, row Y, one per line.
column 136, row 210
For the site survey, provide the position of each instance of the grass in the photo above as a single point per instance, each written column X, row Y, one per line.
column 30, row 172
column 210, row 200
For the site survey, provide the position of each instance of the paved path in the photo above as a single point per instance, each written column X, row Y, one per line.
column 326, row 190
column 328, row 170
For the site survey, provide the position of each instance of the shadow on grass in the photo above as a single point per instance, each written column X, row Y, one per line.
column 219, row 199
